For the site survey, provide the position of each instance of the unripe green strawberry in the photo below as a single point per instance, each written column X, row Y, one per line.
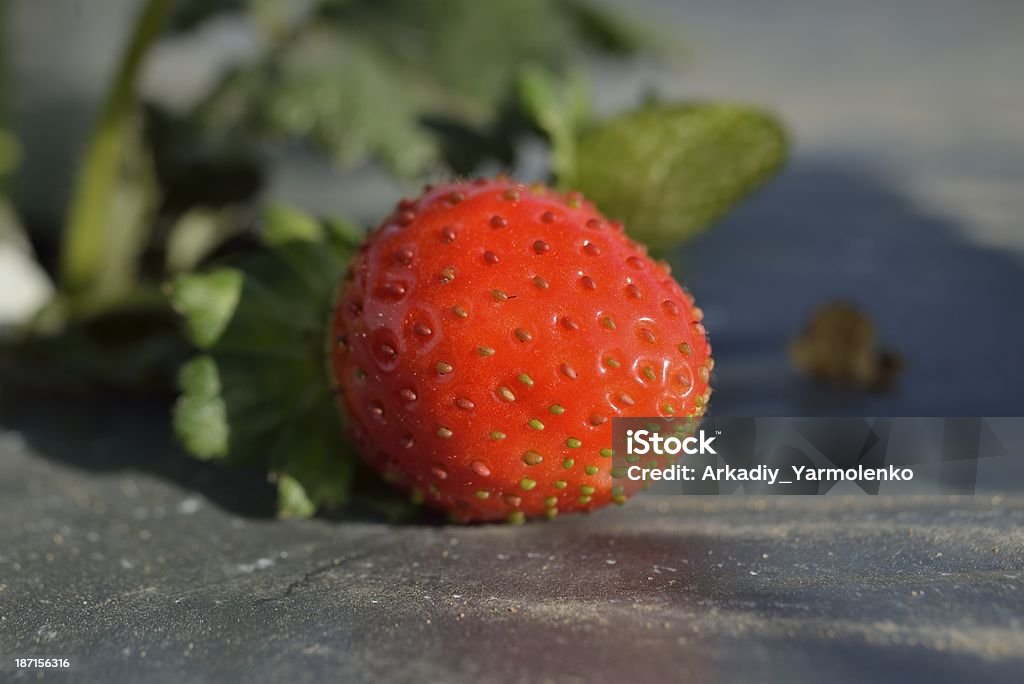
column 486, row 335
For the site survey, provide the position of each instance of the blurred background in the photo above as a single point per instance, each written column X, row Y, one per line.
column 903, row 191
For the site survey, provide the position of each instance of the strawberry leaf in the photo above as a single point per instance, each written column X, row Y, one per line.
column 208, row 302
column 283, row 224
column 292, row 499
column 335, row 90
column 311, row 456
column 363, row 79
column 261, row 394
column 669, row 171
column 200, row 417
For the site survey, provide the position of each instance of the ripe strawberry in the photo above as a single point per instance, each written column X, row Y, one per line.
column 486, row 334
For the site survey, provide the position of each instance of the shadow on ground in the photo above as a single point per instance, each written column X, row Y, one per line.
column 822, row 232
column 111, row 432
column 108, row 432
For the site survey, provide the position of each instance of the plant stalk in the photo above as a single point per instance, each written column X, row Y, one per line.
column 86, row 231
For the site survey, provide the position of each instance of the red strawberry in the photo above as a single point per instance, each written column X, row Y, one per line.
column 487, row 333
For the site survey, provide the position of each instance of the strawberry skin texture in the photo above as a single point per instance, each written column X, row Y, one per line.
column 486, row 335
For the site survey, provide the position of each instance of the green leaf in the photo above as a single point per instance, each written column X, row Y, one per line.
column 200, row 415
column 466, row 52
column 207, row 301
column 403, row 82
column 283, row 224
column 262, row 395
column 292, row 499
column 195, row 235
column 344, row 233
column 335, row 90
column 315, row 457
column 669, row 171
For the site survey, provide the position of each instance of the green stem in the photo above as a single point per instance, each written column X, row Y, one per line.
column 85, row 238
column 560, row 110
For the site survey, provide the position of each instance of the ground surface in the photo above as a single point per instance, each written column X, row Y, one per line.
column 143, row 565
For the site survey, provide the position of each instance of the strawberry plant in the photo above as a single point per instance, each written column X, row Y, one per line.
column 473, row 347
column 477, row 345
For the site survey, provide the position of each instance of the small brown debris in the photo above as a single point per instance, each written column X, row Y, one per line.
column 840, row 345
